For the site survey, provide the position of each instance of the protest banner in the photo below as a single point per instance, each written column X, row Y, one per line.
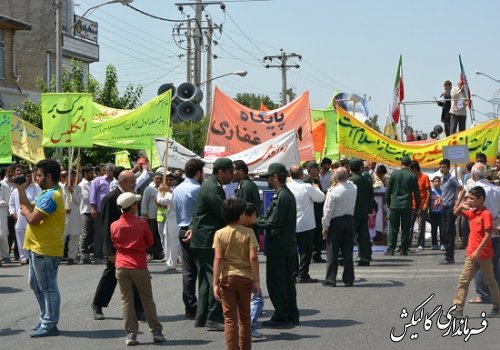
column 5, row 146
column 26, row 140
column 237, row 128
column 359, row 140
column 67, row 119
column 122, row 159
column 178, row 155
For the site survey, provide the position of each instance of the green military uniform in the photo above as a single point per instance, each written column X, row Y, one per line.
column 206, row 220
column 281, row 251
column 249, row 192
column 364, row 200
column 398, row 196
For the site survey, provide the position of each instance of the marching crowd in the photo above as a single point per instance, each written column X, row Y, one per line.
column 212, row 225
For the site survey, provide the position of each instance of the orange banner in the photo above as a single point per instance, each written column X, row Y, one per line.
column 237, row 128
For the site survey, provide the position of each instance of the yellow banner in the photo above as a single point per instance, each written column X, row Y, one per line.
column 26, row 140
column 359, row 140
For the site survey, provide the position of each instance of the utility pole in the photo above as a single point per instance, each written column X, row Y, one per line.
column 189, row 72
column 283, row 57
column 58, row 46
column 209, row 67
column 198, row 38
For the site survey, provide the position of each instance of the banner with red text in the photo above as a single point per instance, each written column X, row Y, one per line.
column 237, row 128
column 359, row 140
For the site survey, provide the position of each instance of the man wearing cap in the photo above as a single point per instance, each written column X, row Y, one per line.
column 313, row 178
column 364, row 200
column 398, row 196
column 110, row 212
column 208, row 219
column 281, row 249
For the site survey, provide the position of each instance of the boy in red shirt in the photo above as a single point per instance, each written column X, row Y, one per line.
column 479, row 251
column 131, row 237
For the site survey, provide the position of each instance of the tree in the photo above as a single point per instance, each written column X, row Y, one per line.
column 192, row 135
column 106, row 94
column 372, row 122
column 253, row 101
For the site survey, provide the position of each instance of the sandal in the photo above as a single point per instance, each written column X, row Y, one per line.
column 476, row 300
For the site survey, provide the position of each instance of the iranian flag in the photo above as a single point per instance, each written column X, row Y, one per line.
column 399, row 92
column 464, row 82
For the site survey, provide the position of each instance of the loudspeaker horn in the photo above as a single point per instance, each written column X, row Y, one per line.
column 438, row 129
column 187, row 111
column 186, row 91
column 433, row 134
column 199, row 114
column 166, row 87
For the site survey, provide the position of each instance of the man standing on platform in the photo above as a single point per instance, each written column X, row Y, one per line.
column 208, row 218
column 398, row 196
column 364, row 200
column 281, row 249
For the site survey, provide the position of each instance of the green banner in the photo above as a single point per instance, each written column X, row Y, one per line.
column 67, row 120
column 132, row 129
column 331, row 138
column 5, row 146
column 122, row 159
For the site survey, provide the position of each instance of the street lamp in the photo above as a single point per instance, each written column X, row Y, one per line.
column 208, row 109
column 495, row 102
column 486, row 75
column 59, row 34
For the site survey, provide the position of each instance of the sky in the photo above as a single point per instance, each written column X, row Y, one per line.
column 352, row 46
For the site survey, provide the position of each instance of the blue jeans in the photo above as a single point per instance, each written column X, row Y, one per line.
column 481, row 287
column 43, row 281
column 256, row 306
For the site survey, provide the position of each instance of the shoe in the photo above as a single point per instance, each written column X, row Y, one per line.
column 41, row 332
column 36, row 326
column 348, row 284
column 158, row 336
column 329, row 284
column 420, row 248
column 86, row 261
column 389, row 252
column 190, row 315
column 24, row 261
column 70, row 262
column 319, row 260
column 447, row 261
column 131, row 339
column 199, row 324
column 363, row 262
column 443, row 248
column 97, row 311
column 495, row 312
column 403, row 253
column 256, row 334
column 435, row 247
column 307, row 280
column 214, row 326
column 140, row 316
column 275, row 324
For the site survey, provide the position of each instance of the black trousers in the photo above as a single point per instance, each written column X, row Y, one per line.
column 364, row 242
column 436, row 223
column 449, row 233
column 280, row 282
column 305, row 242
column 106, row 288
column 189, row 274
column 457, row 121
column 208, row 308
column 87, row 236
column 156, row 250
column 12, row 236
column 340, row 237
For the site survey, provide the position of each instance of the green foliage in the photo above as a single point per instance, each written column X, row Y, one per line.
column 372, row 122
column 192, row 135
column 106, row 94
column 253, row 101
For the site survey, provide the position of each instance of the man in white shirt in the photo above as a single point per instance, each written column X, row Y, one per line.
column 7, row 231
column 87, row 235
column 338, row 228
column 32, row 191
column 72, row 194
column 305, row 196
column 325, row 174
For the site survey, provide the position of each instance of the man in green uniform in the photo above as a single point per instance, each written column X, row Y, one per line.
column 364, row 200
column 247, row 189
column 206, row 220
column 281, row 249
column 398, row 196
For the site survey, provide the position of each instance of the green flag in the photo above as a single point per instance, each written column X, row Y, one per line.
column 122, row 159
column 132, row 129
column 67, row 120
column 331, row 139
column 5, row 146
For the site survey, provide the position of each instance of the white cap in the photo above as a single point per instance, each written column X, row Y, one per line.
column 126, row 199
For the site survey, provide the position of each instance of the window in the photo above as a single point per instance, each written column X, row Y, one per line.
column 2, row 55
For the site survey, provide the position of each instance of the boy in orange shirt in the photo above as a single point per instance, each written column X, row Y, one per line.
column 479, row 251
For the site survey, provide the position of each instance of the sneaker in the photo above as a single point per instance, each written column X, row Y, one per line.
column 495, row 312
column 443, row 248
column 256, row 334
column 307, row 280
column 25, row 262
column 97, row 312
column 420, row 248
column 157, row 336
column 41, row 332
column 36, row 326
column 131, row 339
column 214, row 326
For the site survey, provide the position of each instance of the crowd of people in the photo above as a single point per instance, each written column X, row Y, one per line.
column 212, row 225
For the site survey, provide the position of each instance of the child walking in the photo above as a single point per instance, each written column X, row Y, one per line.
column 236, row 274
column 479, row 252
column 436, row 213
column 131, row 237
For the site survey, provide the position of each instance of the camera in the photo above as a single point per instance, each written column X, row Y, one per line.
column 19, row 180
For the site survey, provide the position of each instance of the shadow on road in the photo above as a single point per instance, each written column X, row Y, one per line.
column 380, row 285
column 95, row 334
column 172, row 318
column 395, row 260
column 8, row 290
column 282, row 337
column 186, row 342
column 333, row 323
column 9, row 331
column 391, row 265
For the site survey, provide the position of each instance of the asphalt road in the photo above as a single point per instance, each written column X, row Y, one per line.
column 360, row 317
